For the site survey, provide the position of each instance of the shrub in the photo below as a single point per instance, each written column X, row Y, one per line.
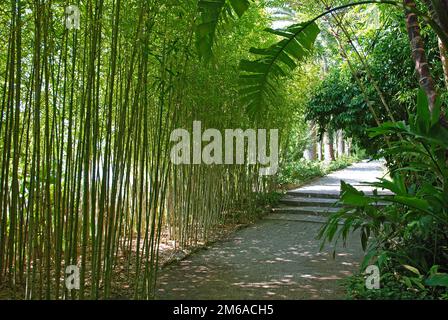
column 409, row 237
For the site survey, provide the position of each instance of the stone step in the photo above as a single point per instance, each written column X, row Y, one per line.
column 309, row 194
column 332, row 192
column 300, row 218
column 297, row 217
column 316, row 211
column 295, row 201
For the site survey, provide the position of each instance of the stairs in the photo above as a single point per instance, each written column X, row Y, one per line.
column 317, row 200
column 305, row 206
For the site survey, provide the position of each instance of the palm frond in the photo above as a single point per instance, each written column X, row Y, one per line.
column 259, row 77
column 212, row 12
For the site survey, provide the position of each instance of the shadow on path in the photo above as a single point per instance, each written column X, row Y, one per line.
column 273, row 259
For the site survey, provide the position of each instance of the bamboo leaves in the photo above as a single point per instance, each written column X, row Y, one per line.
column 86, row 181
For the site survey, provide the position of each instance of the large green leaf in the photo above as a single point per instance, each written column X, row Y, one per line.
column 412, row 202
column 259, row 77
column 240, row 6
column 351, row 196
column 212, row 12
column 423, row 115
column 439, row 279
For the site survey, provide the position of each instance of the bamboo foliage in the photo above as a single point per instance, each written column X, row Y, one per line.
column 86, row 117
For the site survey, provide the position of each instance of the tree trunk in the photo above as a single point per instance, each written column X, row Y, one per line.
column 347, row 148
column 419, row 55
column 340, row 143
column 310, row 151
column 328, row 148
column 319, row 150
column 332, row 157
column 444, row 58
column 439, row 13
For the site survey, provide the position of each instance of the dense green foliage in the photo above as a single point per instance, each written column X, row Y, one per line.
column 300, row 172
column 409, row 237
column 339, row 103
column 86, row 116
column 87, row 113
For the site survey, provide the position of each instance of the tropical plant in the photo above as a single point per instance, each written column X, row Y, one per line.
column 212, row 14
column 278, row 61
column 411, row 230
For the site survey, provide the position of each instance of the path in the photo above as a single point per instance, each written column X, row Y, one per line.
column 277, row 258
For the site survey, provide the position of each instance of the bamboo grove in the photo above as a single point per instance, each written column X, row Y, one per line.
column 86, row 116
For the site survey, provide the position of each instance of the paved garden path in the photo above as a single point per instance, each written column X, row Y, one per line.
column 278, row 257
